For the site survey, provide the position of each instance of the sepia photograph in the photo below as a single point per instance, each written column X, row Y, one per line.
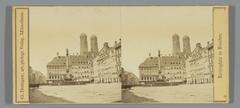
column 121, row 54
column 170, row 50
column 78, row 52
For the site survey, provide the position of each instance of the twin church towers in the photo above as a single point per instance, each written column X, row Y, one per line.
column 84, row 44
column 176, row 50
column 176, row 45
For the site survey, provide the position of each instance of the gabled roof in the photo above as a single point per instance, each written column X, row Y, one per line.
column 73, row 60
column 209, row 45
column 150, row 62
column 197, row 51
column 60, row 60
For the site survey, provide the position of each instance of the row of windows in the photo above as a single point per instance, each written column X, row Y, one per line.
column 56, row 67
column 106, row 61
column 57, row 77
column 104, row 69
column 80, row 67
column 149, row 78
column 84, row 76
column 82, row 72
column 64, row 67
column 200, row 81
column 175, row 77
column 82, row 62
column 149, row 68
column 148, row 73
column 197, row 70
column 178, row 72
column 107, row 73
column 108, row 80
column 61, row 77
column 172, row 62
column 173, row 67
column 57, row 71
column 200, row 75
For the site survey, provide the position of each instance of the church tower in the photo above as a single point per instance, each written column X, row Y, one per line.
column 83, row 44
column 186, row 45
column 176, row 45
column 94, row 44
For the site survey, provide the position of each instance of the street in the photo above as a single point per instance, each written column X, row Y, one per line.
column 89, row 93
column 112, row 93
column 200, row 93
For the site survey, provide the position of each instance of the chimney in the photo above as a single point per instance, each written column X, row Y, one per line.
column 105, row 45
column 198, row 45
column 58, row 54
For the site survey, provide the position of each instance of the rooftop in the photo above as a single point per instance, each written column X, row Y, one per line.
column 150, row 61
column 73, row 60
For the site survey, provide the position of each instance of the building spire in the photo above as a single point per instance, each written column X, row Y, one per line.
column 67, row 52
column 83, row 44
column 159, row 53
column 67, row 61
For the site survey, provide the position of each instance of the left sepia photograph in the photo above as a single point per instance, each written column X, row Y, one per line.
column 74, row 55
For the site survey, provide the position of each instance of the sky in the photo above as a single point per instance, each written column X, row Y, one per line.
column 143, row 30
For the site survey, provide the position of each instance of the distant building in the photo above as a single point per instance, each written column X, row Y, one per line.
column 36, row 77
column 56, row 69
column 163, row 68
column 82, row 67
column 149, row 70
column 167, row 68
column 107, row 64
column 78, row 66
column 199, row 65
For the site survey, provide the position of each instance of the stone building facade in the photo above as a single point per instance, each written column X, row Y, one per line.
column 82, row 67
column 107, row 64
column 149, row 70
column 210, row 51
column 173, row 68
column 56, row 69
column 199, row 65
column 78, row 66
column 163, row 68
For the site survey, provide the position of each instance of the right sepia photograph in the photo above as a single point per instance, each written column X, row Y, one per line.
column 168, row 53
